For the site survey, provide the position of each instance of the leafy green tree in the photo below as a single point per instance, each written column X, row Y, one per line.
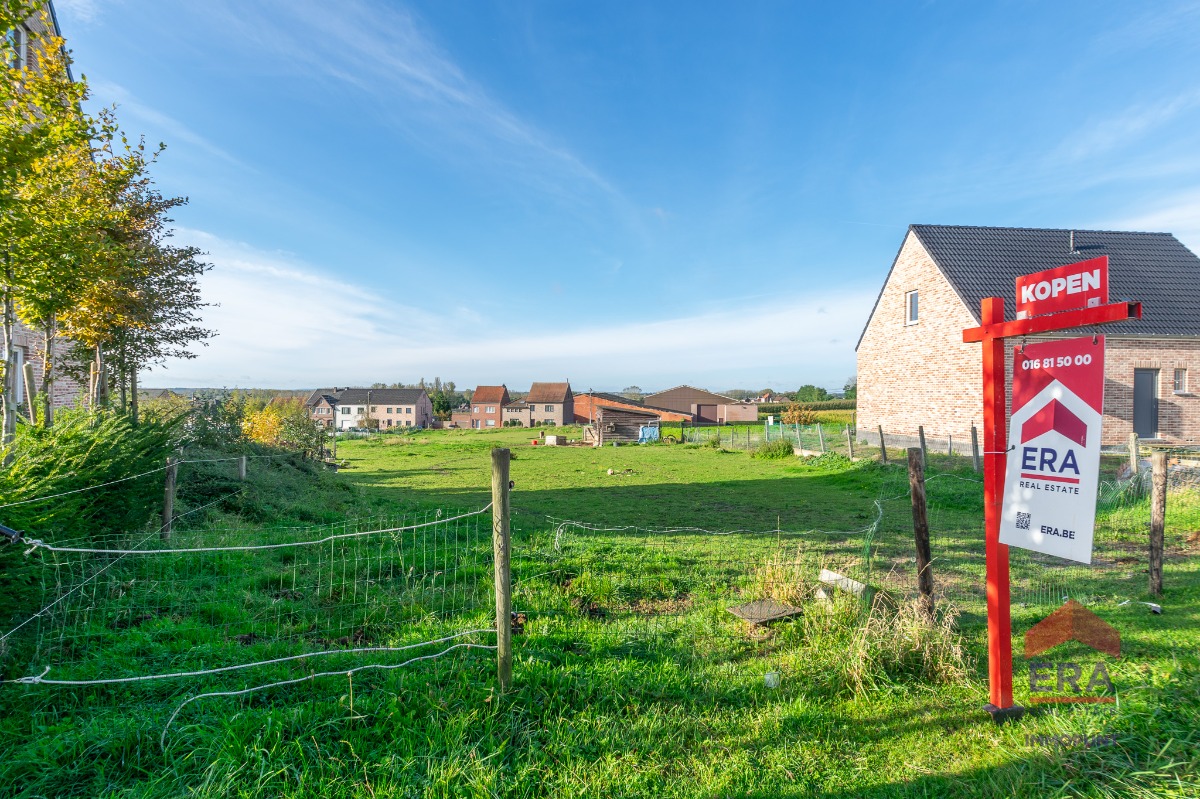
column 810, row 393
column 850, row 391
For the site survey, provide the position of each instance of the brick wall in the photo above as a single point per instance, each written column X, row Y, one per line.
column 67, row 390
column 923, row 373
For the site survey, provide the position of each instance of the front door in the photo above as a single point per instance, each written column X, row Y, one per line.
column 1145, row 403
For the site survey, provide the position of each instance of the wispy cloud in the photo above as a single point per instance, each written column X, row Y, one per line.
column 382, row 51
column 1179, row 214
column 78, row 10
column 284, row 323
column 106, row 93
column 1112, row 132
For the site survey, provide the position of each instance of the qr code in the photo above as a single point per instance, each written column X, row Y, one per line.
column 1023, row 520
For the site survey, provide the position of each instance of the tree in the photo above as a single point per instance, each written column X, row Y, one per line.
column 851, row 388
column 810, row 393
column 796, row 413
column 441, row 405
column 633, row 392
column 39, row 117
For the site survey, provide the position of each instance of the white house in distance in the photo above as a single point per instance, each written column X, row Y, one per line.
column 352, row 407
column 914, row 369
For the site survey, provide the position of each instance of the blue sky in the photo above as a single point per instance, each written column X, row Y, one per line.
column 637, row 193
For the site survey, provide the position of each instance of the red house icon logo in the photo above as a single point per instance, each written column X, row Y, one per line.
column 1058, row 417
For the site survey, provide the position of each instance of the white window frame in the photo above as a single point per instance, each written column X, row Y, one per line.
column 909, row 317
column 1181, row 386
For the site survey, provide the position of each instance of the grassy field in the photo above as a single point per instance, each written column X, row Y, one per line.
column 631, row 678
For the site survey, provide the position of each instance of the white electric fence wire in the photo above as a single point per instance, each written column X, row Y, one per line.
column 131, row 477
column 40, row 679
column 37, row 544
column 162, row 740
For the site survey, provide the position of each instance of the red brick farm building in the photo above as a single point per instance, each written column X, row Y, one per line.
column 914, row 369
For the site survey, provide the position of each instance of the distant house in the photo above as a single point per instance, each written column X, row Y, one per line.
column 551, row 403
column 588, row 403
column 705, row 407
column 360, row 407
column 517, row 413
column 914, row 369
column 487, row 406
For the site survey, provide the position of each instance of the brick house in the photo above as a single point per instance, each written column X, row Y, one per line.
column 487, row 406
column 705, row 407
column 29, row 345
column 587, row 405
column 390, row 407
column 551, row 403
column 914, row 369
column 517, row 413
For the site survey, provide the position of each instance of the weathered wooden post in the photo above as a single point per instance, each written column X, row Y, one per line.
column 882, row 446
column 924, row 451
column 949, row 443
column 1158, row 520
column 501, row 553
column 168, row 514
column 30, row 391
column 242, row 468
column 975, row 447
column 916, row 485
column 849, row 442
column 821, row 437
column 1133, row 454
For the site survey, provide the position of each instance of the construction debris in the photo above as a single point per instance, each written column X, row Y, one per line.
column 764, row 611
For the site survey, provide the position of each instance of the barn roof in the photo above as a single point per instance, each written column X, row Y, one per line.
column 1153, row 268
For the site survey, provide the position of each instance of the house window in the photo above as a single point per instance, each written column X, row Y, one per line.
column 549, row 409
column 910, row 308
column 18, row 40
column 476, row 409
column 345, row 410
column 1181, row 381
column 389, row 411
column 491, row 422
column 491, row 409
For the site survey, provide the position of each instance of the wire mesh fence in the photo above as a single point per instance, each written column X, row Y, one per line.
column 138, row 621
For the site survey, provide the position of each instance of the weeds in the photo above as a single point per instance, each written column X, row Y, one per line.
column 774, row 450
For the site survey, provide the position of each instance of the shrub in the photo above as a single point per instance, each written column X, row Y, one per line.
column 774, row 450
column 799, row 414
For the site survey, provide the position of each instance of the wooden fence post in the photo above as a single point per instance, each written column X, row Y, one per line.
column 924, row 451
column 821, row 437
column 242, row 468
column 949, row 443
column 882, row 446
column 975, row 447
column 500, row 551
column 1158, row 520
column 916, row 484
column 1133, row 454
column 168, row 514
column 849, row 442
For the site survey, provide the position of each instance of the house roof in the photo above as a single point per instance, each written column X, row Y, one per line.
column 493, row 394
column 548, row 392
column 1153, row 268
column 358, row 396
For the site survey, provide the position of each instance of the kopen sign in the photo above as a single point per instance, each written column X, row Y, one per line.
column 1064, row 288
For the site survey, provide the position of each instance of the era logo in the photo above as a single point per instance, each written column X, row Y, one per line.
column 1045, row 459
column 1071, row 622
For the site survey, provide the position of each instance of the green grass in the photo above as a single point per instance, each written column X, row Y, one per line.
column 630, row 677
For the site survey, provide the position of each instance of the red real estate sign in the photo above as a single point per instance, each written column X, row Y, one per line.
column 1064, row 288
column 1054, row 448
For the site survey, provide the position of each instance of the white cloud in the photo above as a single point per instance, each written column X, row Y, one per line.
column 78, row 10
column 285, row 324
column 106, row 92
column 1179, row 214
column 1115, row 131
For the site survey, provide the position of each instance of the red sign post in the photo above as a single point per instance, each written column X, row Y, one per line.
column 1071, row 310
